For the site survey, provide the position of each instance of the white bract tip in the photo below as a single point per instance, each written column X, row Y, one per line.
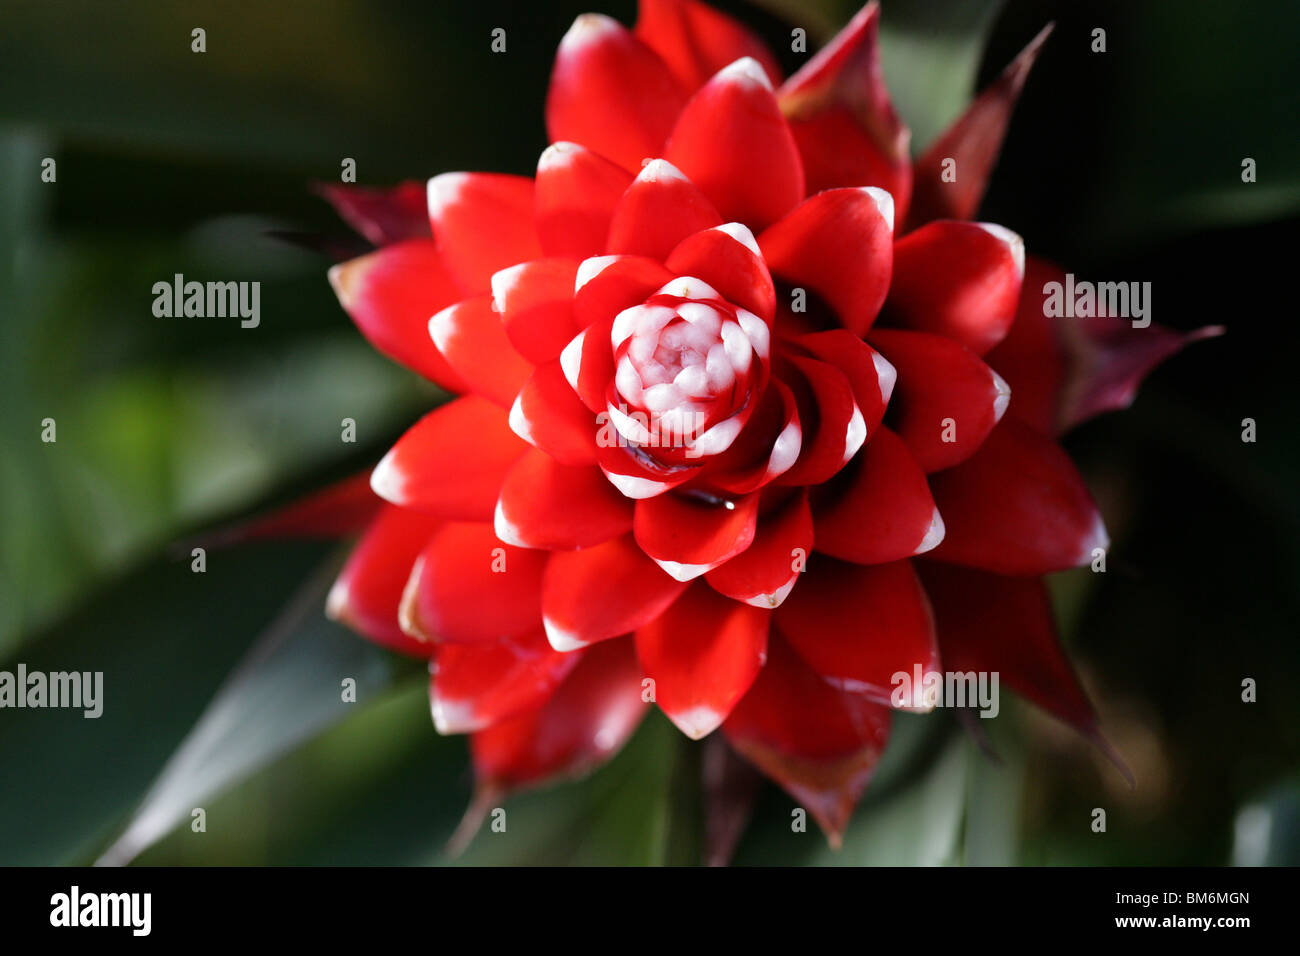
column 1013, row 241
column 933, row 535
column 387, row 481
column 884, row 202
column 560, row 639
column 659, row 171
column 444, row 191
column 1003, row 397
column 747, row 71
column 742, row 234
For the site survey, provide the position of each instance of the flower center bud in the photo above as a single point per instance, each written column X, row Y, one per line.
column 686, row 362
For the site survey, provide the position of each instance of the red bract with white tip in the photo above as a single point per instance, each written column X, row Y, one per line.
column 727, row 440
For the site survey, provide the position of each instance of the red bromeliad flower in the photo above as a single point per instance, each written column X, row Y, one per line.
column 730, row 437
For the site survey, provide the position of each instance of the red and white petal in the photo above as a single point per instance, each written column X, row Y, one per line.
column 451, row 462
column 548, row 415
column 535, row 300
column 727, row 257
column 840, row 113
column 960, row 280
column 973, row 142
column 833, row 427
column 584, row 722
column 660, row 209
column 870, row 374
column 947, row 400
column 606, row 285
column 482, row 222
column 703, row 653
column 766, row 572
column 368, row 591
column 992, row 623
column 839, row 244
column 468, row 586
column 696, row 40
column 1019, row 506
column 601, row 592
column 635, row 475
column 556, row 507
column 390, row 294
column 611, row 93
column 469, row 335
column 574, row 199
column 732, row 141
column 859, row 626
column 879, row 509
column 819, row 743
column 688, row 535
column 383, row 215
column 472, row 686
column 767, row 447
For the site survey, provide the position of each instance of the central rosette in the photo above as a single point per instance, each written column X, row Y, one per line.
column 688, row 368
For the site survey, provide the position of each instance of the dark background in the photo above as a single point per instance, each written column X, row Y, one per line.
column 1123, row 165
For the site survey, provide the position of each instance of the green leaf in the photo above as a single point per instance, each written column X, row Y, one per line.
column 288, row 688
column 163, row 637
column 383, row 788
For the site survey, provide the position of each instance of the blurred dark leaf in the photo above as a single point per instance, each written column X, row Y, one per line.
column 164, row 637
column 287, row 689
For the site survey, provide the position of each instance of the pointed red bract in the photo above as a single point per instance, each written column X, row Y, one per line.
column 859, row 626
column 733, row 142
column 482, row 223
column 451, row 462
column 991, row 623
column 702, row 654
column 765, row 572
column 343, row 508
column 368, row 591
column 728, row 259
column 548, row 415
column 947, row 400
column 660, row 209
column 601, row 592
column 1063, row 370
column 470, row 336
column 390, row 294
column 468, row 586
column 842, row 118
column 687, row 536
column 574, row 199
column 611, row 93
column 383, row 215
column 819, row 743
column 545, row 504
column 960, row 280
column 833, row 428
column 970, row 147
column 535, row 302
column 584, row 723
column 879, row 509
column 696, row 40
column 839, row 244
column 1018, row 506
column 473, row 686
